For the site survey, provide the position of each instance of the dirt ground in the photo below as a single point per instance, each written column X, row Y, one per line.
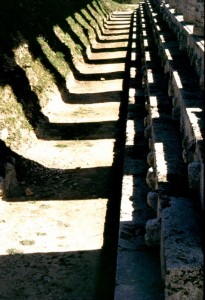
column 58, row 239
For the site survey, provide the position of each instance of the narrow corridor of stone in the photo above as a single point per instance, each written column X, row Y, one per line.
column 138, row 273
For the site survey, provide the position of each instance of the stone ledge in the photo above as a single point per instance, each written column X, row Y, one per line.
column 181, row 252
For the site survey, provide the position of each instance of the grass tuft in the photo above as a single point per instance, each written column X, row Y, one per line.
column 27, row 242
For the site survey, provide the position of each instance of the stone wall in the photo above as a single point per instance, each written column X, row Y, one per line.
column 174, row 104
column 199, row 18
column 192, row 10
column 186, row 19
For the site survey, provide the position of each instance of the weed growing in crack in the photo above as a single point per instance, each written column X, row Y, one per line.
column 40, row 233
column 27, row 242
column 61, row 146
column 14, row 251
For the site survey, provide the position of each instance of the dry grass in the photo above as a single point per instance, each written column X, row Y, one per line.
column 37, row 54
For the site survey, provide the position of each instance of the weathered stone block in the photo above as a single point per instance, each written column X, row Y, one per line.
column 10, row 185
column 199, row 18
column 152, row 200
column 1, row 186
column 181, row 253
column 180, row 5
column 151, row 178
column 189, row 12
column 151, row 159
column 152, row 236
column 147, row 121
column 194, row 170
column 148, row 132
column 163, row 202
column 173, row 3
column 151, row 144
column 176, row 112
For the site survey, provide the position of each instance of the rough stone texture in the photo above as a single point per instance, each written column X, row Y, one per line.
column 152, row 236
column 148, row 132
column 189, row 12
column 180, row 5
column 1, row 186
column 151, row 179
column 135, row 282
column 194, row 170
column 152, row 200
column 181, row 252
column 192, row 44
column 173, row 3
column 199, row 18
column 10, row 184
column 188, row 104
column 151, row 159
column 176, row 112
column 163, row 202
